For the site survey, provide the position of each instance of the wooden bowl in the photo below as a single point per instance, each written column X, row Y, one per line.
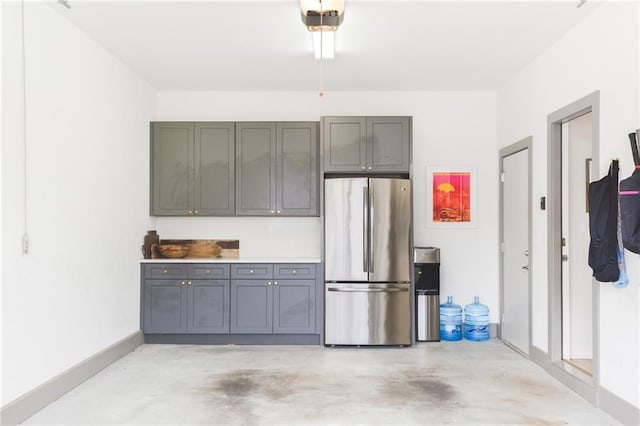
column 205, row 250
column 173, row 250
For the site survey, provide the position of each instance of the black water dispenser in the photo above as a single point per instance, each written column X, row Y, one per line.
column 426, row 262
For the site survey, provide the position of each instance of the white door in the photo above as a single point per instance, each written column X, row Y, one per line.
column 515, row 250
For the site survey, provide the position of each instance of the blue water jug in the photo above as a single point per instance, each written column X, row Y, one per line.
column 450, row 320
column 476, row 321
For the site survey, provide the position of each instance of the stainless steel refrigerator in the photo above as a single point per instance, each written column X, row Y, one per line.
column 367, row 246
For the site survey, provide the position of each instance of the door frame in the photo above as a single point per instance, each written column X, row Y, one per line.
column 522, row 145
column 589, row 103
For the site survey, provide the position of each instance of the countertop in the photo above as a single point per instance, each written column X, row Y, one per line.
column 237, row 260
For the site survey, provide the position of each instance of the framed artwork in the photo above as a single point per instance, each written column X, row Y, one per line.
column 451, row 197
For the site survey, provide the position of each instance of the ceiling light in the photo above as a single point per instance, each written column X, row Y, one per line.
column 323, row 44
column 322, row 15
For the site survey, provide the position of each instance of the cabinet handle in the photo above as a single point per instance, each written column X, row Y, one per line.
column 190, row 212
column 165, row 272
column 208, row 271
column 269, row 283
column 196, row 212
column 364, row 168
column 251, row 271
column 369, row 169
column 275, row 283
column 189, row 283
column 294, row 272
column 272, row 212
column 182, row 283
column 278, row 212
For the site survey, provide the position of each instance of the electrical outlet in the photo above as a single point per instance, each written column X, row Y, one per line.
column 25, row 244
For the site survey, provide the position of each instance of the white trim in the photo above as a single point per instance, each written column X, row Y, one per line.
column 33, row 401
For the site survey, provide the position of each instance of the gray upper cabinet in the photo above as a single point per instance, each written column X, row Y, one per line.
column 171, row 168
column 345, row 143
column 214, row 183
column 366, row 144
column 255, row 168
column 277, row 169
column 388, row 144
column 297, row 183
column 192, row 170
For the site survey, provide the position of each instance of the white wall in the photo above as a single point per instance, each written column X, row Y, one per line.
column 601, row 53
column 449, row 129
column 77, row 291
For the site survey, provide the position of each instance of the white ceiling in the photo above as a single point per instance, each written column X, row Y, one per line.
column 381, row 45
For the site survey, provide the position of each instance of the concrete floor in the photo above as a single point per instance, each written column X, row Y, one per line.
column 433, row 383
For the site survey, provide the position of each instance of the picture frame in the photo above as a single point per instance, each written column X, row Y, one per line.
column 451, row 196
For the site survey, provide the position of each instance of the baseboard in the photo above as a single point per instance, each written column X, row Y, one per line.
column 33, row 401
column 621, row 410
column 557, row 372
column 495, row 330
column 539, row 357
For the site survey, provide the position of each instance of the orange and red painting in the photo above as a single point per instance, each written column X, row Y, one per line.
column 451, row 197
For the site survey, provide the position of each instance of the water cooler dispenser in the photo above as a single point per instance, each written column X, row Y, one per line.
column 426, row 262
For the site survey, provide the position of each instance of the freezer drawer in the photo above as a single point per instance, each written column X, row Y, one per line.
column 367, row 314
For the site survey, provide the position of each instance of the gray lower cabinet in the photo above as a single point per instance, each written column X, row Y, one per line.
column 277, row 169
column 273, row 306
column 165, row 307
column 366, row 144
column 251, row 306
column 273, row 298
column 183, row 298
column 192, row 169
column 294, row 306
column 208, row 306
column 242, row 299
column 186, row 306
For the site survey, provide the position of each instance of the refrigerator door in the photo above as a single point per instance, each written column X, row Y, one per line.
column 390, row 239
column 367, row 314
column 346, row 224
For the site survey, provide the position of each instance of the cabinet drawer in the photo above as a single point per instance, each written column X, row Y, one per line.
column 165, row 270
column 260, row 270
column 294, row 270
column 208, row 270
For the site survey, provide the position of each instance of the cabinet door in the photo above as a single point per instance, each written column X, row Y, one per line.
column 255, row 169
column 297, row 169
column 208, row 306
column 294, row 306
column 214, row 178
column 345, row 147
column 165, row 307
column 251, row 306
column 388, row 140
column 171, row 169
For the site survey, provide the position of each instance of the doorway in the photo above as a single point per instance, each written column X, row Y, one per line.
column 577, row 289
column 515, row 250
column 572, row 153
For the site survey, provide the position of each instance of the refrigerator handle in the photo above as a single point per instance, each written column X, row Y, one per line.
column 365, row 229
column 371, row 228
